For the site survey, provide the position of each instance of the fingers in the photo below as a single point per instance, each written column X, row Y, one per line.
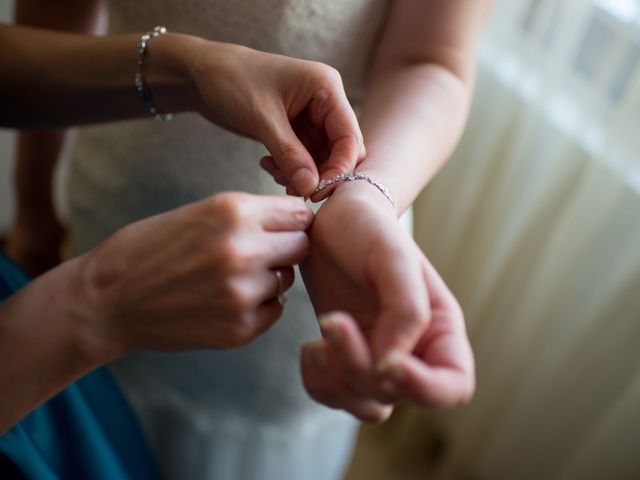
column 348, row 347
column 352, row 358
column 263, row 286
column 333, row 113
column 284, row 248
column 403, row 297
column 282, row 213
column 323, row 382
column 441, row 372
column 428, row 385
column 265, row 316
column 256, row 302
column 268, row 164
column 441, row 296
column 333, row 129
column 289, row 154
column 339, row 372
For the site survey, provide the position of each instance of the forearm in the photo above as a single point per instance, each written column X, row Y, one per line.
column 47, row 341
column 36, row 157
column 86, row 79
column 420, row 86
column 411, row 122
column 37, row 152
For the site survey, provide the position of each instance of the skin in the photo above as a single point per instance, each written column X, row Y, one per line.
column 420, row 85
column 201, row 276
column 36, row 235
column 304, row 102
column 410, row 326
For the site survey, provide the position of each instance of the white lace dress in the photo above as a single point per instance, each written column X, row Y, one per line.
column 240, row 414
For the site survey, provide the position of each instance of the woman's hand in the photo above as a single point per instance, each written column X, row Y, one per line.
column 297, row 108
column 401, row 333
column 201, row 276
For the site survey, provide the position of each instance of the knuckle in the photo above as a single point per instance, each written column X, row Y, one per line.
column 299, row 218
column 316, row 392
column 230, row 250
column 303, row 245
column 329, row 74
column 288, row 153
column 239, row 300
column 243, row 336
column 245, row 330
column 374, row 415
column 418, row 312
column 237, row 255
column 229, row 207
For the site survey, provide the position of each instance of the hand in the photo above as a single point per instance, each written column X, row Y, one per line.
column 201, row 276
column 401, row 335
column 297, row 108
column 35, row 244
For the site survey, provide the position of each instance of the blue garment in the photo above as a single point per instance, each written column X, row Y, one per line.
column 87, row 431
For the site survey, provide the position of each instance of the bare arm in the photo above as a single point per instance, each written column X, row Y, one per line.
column 200, row 276
column 38, row 151
column 421, row 82
column 411, row 343
column 84, row 79
column 218, row 274
column 309, row 99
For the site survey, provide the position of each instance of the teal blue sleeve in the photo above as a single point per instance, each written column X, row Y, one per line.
column 87, row 431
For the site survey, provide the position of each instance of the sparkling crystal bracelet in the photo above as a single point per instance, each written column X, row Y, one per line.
column 352, row 176
column 143, row 91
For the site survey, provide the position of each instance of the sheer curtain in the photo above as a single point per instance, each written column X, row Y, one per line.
column 535, row 224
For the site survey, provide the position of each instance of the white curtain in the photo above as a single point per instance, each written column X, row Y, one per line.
column 535, row 225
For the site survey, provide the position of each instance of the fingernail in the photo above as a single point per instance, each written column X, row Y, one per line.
column 330, row 328
column 390, row 366
column 304, row 181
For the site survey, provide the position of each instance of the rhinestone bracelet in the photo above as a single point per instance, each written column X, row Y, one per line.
column 350, row 177
column 143, row 91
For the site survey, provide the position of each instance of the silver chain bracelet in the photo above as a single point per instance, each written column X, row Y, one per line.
column 352, row 176
column 143, row 91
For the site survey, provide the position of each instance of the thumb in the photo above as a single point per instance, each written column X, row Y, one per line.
column 404, row 304
column 291, row 157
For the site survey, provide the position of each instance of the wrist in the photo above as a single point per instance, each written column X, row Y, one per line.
column 167, row 72
column 90, row 311
column 369, row 190
column 363, row 193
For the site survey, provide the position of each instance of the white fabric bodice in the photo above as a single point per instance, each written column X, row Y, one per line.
column 240, row 414
column 340, row 33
